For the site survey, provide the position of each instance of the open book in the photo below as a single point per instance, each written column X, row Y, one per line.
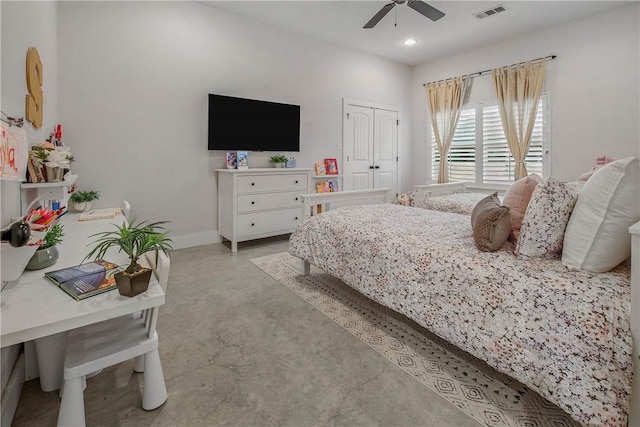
column 85, row 280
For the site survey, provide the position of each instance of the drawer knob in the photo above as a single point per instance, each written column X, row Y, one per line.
column 253, row 203
column 296, row 199
column 253, row 183
column 296, row 218
column 296, row 181
column 253, row 224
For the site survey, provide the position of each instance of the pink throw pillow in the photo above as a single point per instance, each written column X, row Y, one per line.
column 517, row 199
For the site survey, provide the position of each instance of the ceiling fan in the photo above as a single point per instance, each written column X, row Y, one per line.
column 417, row 5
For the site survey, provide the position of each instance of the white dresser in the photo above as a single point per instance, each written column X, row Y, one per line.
column 260, row 202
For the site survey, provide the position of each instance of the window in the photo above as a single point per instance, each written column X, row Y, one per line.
column 479, row 152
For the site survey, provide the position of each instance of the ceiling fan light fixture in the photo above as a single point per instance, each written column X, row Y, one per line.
column 409, row 42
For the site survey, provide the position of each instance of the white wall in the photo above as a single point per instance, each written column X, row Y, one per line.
column 22, row 25
column 133, row 84
column 27, row 24
column 593, row 87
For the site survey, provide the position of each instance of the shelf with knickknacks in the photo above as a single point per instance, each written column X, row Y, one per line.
column 49, row 161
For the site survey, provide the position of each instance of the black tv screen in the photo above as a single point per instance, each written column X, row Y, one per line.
column 252, row 125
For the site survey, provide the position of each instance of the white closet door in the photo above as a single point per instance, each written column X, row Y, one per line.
column 358, row 148
column 370, row 147
column 385, row 149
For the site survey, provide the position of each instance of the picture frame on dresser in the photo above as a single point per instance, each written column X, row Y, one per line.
column 331, row 166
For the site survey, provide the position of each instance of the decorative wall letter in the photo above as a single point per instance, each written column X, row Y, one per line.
column 35, row 98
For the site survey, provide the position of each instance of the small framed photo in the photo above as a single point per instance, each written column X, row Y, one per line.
column 331, row 166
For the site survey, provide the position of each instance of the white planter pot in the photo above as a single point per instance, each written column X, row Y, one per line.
column 81, row 206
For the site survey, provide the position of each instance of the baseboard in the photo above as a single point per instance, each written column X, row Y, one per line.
column 11, row 394
column 195, row 239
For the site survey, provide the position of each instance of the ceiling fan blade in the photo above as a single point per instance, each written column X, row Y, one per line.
column 378, row 16
column 425, row 9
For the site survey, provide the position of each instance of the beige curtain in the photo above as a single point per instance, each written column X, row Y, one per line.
column 445, row 103
column 518, row 89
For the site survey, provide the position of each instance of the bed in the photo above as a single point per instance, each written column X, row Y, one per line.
column 565, row 334
column 450, row 197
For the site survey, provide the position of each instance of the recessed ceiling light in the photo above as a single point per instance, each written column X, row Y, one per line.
column 410, row 42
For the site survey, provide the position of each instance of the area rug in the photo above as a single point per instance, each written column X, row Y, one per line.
column 484, row 394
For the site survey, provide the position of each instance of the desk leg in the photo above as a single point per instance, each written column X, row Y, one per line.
column 50, row 352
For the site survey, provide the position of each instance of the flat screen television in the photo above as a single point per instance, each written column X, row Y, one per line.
column 252, row 125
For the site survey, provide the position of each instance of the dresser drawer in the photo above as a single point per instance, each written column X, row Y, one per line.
column 262, row 201
column 264, row 183
column 284, row 220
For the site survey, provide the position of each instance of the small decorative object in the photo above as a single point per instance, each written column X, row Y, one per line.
column 331, row 166
column 47, row 254
column 81, row 200
column 134, row 239
column 291, row 163
column 242, row 159
column 231, row 160
column 279, row 160
column 321, row 168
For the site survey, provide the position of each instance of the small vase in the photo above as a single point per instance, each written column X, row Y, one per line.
column 43, row 258
column 53, row 174
column 280, row 165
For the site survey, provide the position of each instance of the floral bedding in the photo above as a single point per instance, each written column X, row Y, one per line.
column 564, row 334
column 461, row 203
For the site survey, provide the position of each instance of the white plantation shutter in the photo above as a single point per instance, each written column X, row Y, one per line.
column 462, row 155
column 497, row 166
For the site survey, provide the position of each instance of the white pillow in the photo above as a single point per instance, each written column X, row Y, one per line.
column 597, row 237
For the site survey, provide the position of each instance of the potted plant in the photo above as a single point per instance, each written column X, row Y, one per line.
column 279, row 160
column 134, row 239
column 81, row 200
column 47, row 254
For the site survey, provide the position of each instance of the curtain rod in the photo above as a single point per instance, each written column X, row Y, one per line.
column 479, row 73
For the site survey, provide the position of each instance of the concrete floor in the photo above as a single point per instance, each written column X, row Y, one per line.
column 238, row 348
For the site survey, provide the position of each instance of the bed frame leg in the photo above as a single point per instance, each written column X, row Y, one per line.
column 305, row 267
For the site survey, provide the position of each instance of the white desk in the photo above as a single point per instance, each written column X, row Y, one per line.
column 33, row 308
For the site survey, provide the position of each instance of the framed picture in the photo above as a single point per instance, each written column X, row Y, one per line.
column 231, row 160
column 320, row 168
column 331, row 166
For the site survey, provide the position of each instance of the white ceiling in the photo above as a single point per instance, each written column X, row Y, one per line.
column 341, row 22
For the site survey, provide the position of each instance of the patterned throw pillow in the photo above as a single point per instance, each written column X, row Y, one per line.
column 546, row 218
column 491, row 224
column 517, row 199
column 405, row 199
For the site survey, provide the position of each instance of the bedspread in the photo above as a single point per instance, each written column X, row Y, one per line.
column 564, row 334
column 461, row 203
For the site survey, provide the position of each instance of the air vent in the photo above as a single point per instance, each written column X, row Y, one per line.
column 489, row 12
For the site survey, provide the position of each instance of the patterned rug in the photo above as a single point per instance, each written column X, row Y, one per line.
column 484, row 394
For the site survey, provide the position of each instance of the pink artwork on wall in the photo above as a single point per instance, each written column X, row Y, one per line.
column 13, row 153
